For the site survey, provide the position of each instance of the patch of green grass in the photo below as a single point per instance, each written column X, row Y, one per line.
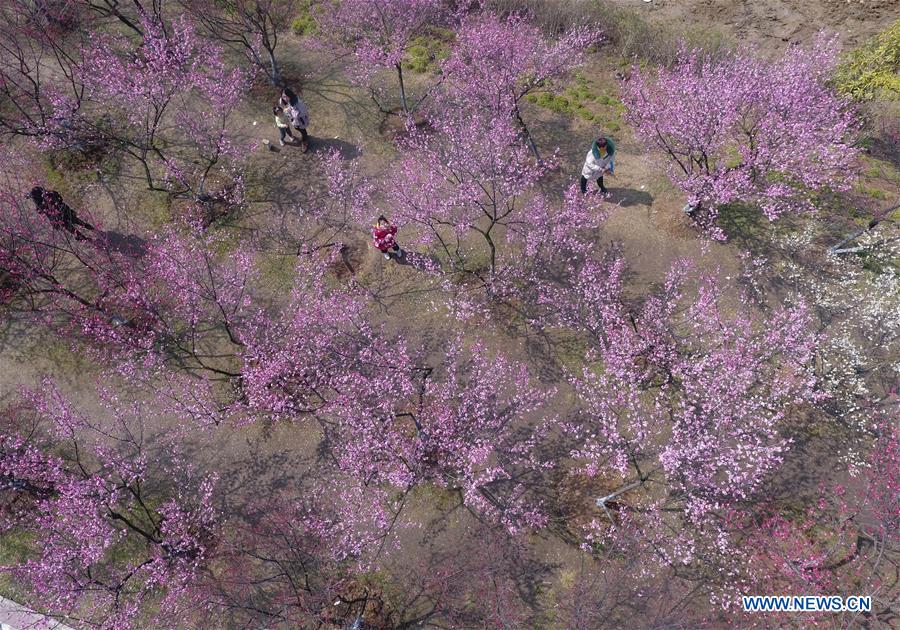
column 304, row 23
column 130, row 550
column 68, row 173
column 874, row 193
column 438, row 497
column 880, row 169
column 59, row 352
column 15, row 548
column 476, row 260
column 228, row 239
column 877, row 264
column 426, row 51
column 571, row 351
column 377, row 579
column 742, row 221
column 579, row 99
column 873, row 171
column 733, row 157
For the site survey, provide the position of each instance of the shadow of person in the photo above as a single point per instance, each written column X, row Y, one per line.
column 347, row 150
column 628, row 197
column 127, row 244
column 422, row 262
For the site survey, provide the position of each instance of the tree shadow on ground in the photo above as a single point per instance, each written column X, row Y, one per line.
column 744, row 225
column 260, row 471
column 479, row 554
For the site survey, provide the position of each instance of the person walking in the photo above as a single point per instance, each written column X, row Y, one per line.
column 298, row 113
column 384, row 236
column 283, row 124
column 50, row 203
column 600, row 160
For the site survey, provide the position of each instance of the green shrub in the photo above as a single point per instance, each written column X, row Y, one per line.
column 559, row 104
column 304, row 23
column 544, row 99
column 873, row 70
column 874, row 193
column 579, row 100
column 426, row 51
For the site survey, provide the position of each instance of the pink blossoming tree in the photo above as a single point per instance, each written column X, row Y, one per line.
column 464, row 427
column 155, row 308
column 171, row 84
column 109, row 536
column 681, row 402
column 496, row 62
column 40, row 90
column 740, row 129
column 469, row 177
column 378, row 32
column 840, row 541
column 320, row 355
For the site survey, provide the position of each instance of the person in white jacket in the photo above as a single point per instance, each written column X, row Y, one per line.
column 599, row 161
column 296, row 108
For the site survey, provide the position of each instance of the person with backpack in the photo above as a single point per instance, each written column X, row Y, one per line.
column 384, row 237
column 50, row 203
column 296, row 108
column 600, row 160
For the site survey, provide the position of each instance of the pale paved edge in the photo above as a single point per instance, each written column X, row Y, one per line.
column 14, row 616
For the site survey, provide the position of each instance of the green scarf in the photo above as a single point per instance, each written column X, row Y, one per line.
column 610, row 148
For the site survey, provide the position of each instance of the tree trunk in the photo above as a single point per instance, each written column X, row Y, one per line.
column 601, row 501
column 402, row 89
column 528, row 139
column 493, row 248
column 275, row 72
column 882, row 216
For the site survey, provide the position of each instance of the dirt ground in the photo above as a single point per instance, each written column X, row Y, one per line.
column 771, row 24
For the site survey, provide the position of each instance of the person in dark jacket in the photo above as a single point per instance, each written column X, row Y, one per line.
column 50, row 203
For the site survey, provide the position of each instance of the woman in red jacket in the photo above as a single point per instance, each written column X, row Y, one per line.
column 383, row 234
